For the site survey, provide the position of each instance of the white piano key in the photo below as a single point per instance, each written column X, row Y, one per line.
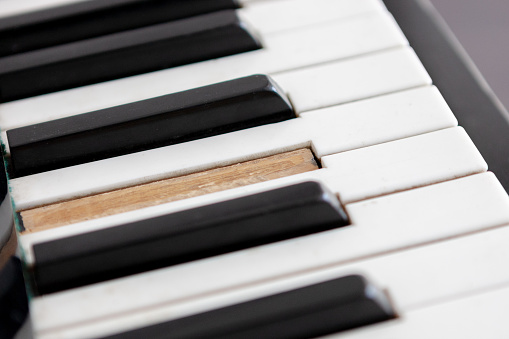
column 432, row 274
column 362, row 77
column 329, row 131
column 272, row 16
column 482, row 315
column 404, row 164
column 328, row 9
column 282, row 52
column 361, row 125
column 381, row 226
column 16, row 7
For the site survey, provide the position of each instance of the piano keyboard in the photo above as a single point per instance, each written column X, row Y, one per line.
column 410, row 229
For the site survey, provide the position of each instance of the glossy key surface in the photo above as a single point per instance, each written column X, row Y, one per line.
column 188, row 235
column 88, row 19
column 171, row 119
column 123, row 54
column 281, row 52
column 319, row 309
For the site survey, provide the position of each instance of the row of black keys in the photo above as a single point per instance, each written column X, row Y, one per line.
column 97, row 41
column 175, row 238
column 89, row 19
column 34, row 64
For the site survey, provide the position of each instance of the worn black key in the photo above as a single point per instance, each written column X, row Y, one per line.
column 161, row 121
column 89, row 19
column 123, row 54
column 307, row 312
column 184, row 236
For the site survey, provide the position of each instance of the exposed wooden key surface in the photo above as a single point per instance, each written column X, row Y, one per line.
column 172, row 189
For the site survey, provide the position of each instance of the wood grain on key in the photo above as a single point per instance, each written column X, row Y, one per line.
column 167, row 190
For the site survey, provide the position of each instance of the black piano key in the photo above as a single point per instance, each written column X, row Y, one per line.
column 89, row 19
column 123, row 54
column 171, row 239
column 324, row 308
column 170, row 119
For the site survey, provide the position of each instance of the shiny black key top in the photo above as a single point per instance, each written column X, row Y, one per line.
column 89, row 19
column 170, row 119
column 123, row 54
column 324, row 308
column 184, row 236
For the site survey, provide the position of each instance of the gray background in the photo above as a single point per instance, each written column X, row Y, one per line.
column 482, row 27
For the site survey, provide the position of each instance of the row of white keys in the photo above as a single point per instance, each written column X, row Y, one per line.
column 403, row 164
column 400, row 165
column 289, row 82
column 358, row 78
column 354, row 198
column 327, row 131
column 479, row 316
column 273, row 16
column 16, row 7
column 341, row 81
column 323, row 9
column 282, row 52
column 482, row 315
column 381, row 227
column 454, row 289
